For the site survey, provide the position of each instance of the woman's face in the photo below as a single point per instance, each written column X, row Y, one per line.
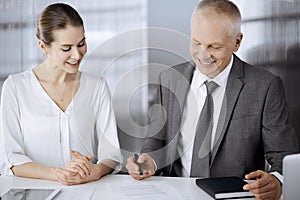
column 68, row 48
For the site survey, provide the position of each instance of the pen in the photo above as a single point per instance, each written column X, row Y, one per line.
column 135, row 158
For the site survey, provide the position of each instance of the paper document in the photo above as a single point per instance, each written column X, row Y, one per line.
column 144, row 190
column 75, row 194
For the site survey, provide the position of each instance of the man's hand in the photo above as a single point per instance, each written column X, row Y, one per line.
column 146, row 163
column 265, row 186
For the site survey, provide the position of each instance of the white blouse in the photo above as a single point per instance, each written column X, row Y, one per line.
column 35, row 129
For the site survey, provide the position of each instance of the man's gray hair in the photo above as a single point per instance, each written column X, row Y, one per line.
column 224, row 8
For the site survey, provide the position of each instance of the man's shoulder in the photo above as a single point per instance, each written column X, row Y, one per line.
column 185, row 69
column 255, row 72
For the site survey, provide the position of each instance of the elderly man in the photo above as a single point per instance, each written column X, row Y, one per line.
column 222, row 116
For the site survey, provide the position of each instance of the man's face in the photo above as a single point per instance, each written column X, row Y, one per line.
column 211, row 44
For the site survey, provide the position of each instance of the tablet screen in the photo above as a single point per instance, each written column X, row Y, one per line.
column 29, row 194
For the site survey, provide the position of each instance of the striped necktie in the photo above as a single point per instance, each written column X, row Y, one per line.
column 202, row 141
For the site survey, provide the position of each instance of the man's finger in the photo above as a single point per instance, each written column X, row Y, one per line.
column 254, row 175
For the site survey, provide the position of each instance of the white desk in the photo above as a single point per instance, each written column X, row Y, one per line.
column 184, row 186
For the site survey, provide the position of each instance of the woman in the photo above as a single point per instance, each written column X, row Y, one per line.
column 57, row 122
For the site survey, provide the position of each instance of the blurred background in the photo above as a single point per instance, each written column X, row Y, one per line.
column 130, row 42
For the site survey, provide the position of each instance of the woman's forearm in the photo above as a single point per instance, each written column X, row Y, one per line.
column 34, row 170
column 65, row 176
column 105, row 167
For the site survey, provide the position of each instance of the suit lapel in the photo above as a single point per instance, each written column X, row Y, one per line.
column 181, row 88
column 232, row 92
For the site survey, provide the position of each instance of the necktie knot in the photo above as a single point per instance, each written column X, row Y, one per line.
column 210, row 86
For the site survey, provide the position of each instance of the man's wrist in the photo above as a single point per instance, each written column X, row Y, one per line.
column 155, row 166
column 278, row 176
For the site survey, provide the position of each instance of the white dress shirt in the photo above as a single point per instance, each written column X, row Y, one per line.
column 192, row 109
column 35, row 129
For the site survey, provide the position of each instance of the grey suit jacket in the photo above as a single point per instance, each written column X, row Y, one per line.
column 254, row 124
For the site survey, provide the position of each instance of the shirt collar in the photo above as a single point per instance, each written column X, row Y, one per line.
column 220, row 79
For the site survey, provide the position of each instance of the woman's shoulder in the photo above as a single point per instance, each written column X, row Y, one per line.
column 20, row 77
column 92, row 79
column 17, row 81
column 96, row 84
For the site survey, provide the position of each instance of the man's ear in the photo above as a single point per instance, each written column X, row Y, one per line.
column 238, row 41
column 43, row 47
